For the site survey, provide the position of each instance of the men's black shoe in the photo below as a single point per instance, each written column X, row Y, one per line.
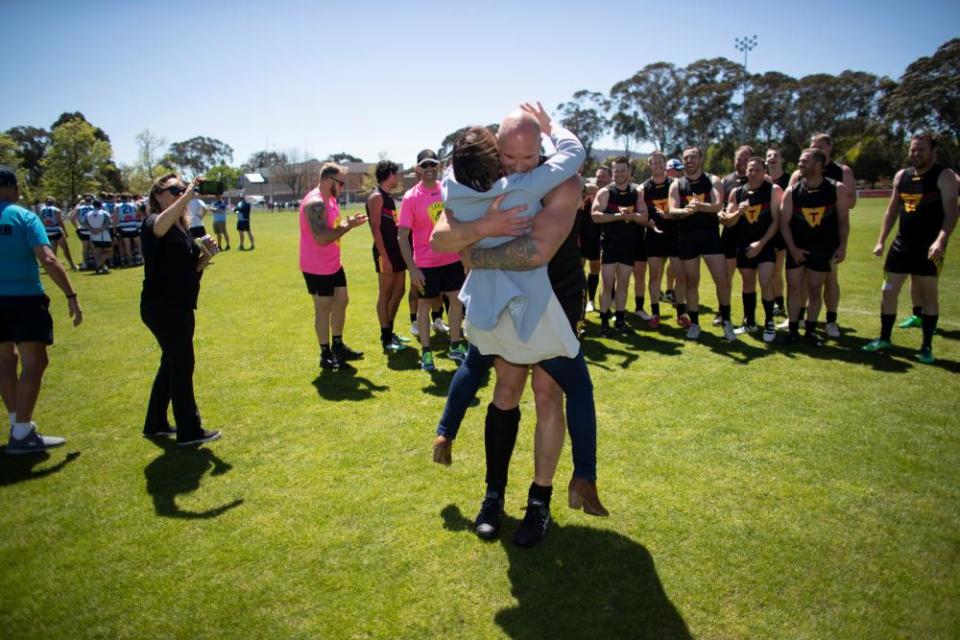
column 622, row 328
column 345, row 353
column 533, row 529
column 811, row 340
column 160, row 432
column 791, row 338
column 487, row 524
column 330, row 361
column 605, row 331
column 204, row 435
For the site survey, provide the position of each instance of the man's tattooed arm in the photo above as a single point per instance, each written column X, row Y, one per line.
column 317, row 216
column 520, row 254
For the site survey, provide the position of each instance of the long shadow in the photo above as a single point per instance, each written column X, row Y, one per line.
column 439, row 381
column 14, row 469
column 596, row 351
column 581, row 583
column 948, row 334
column 739, row 351
column 406, row 360
column 649, row 340
column 345, row 384
column 178, row 471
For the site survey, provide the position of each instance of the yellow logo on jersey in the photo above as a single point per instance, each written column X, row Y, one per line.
column 910, row 201
column 434, row 210
column 661, row 205
column 753, row 212
column 813, row 215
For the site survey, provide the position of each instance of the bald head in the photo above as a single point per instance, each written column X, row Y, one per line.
column 519, row 142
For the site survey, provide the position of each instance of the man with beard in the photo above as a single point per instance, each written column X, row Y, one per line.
column 780, row 178
column 387, row 258
column 590, row 239
column 661, row 239
column 925, row 199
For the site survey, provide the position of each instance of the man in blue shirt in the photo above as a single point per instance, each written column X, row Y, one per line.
column 243, row 221
column 26, row 327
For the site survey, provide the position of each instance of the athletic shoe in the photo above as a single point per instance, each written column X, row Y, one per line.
column 728, row 332
column 684, row 321
column 769, row 332
column 693, row 333
column 426, row 362
column 654, row 322
column 205, row 435
column 33, row 442
column 589, row 308
column 911, row 322
column 400, row 339
column 345, row 353
column 779, row 311
column 535, row 523
column 811, row 340
column 784, row 325
column 667, row 297
column 414, row 330
column 833, row 331
column 643, row 315
column 458, row 353
column 717, row 320
column 605, row 331
column 925, row 356
column 877, row 345
column 487, row 523
column 622, row 328
column 162, row 432
column 791, row 338
column 440, row 326
column 329, row 361
column 746, row 328
column 393, row 347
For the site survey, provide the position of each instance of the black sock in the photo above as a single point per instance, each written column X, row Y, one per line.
column 390, row 327
column 681, row 308
column 454, row 344
column 779, row 301
column 794, row 327
column 694, row 317
column 337, row 341
column 604, row 318
column 499, row 437
column 593, row 281
column 831, row 316
column 413, row 318
column 803, row 312
column 918, row 311
column 324, row 349
column 620, row 316
column 639, row 301
column 929, row 328
column 750, row 308
column 886, row 325
column 437, row 315
column 386, row 335
column 446, row 305
column 810, row 326
column 543, row 494
column 767, row 311
column 669, row 293
column 725, row 311
column 426, row 349
column 655, row 308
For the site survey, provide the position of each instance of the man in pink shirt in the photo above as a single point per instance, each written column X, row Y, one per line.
column 431, row 273
column 321, row 228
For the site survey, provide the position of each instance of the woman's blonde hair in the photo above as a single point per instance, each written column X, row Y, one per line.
column 158, row 186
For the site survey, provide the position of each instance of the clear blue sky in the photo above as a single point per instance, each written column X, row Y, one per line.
column 369, row 77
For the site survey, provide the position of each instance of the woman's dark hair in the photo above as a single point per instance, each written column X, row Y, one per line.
column 386, row 168
column 157, row 188
column 476, row 159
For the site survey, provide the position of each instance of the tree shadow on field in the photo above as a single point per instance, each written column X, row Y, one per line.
column 345, row 384
column 178, row 471
column 581, row 583
column 14, row 469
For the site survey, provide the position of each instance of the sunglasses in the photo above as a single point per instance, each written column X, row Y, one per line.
column 428, row 163
column 338, row 181
column 175, row 190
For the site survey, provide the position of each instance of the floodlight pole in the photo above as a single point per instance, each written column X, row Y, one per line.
column 746, row 44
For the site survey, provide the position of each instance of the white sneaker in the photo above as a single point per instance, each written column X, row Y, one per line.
column 833, row 331
column 643, row 315
column 728, row 332
column 33, row 442
column 769, row 333
column 415, row 330
column 784, row 325
column 717, row 320
column 746, row 328
column 589, row 306
column 440, row 326
column 693, row 332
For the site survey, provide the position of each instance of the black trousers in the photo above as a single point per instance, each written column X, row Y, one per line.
column 173, row 329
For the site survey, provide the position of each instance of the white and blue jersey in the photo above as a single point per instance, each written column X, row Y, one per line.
column 50, row 216
column 82, row 212
column 127, row 213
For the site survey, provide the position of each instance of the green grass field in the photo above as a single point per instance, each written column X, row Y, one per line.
column 755, row 492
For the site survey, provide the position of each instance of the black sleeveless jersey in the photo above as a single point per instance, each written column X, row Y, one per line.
column 388, row 215
column 814, row 219
column 564, row 270
column 619, row 233
column 656, row 197
column 730, row 183
column 921, row 208
column 783, row 181
column 756, row 220
column 699, row 189
column 833, row 171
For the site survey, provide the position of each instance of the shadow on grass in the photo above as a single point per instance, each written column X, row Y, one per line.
column 178, row 471
column 440, row 380
column 406, row 360
column 597, row 352
column 581, row 582
column 14, row 469
column 345, row 384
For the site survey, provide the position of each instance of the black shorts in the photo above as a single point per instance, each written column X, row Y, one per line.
column 693, row 243
column 131, row 232
column 26, row 319
column 915, row 263
column 393, row 253
column 198, row 232
column 243, row 225
column 323, row 286
column 53, row 236
column 819, row 259
column 777, row 242
column 767, row 254
column 439, row 280
column 730, row 241
column 617, row 253
column 103, row 244
column 572, row 303
column 590, row 243
column 662, row 245
column 640, row 246
column 83, row 235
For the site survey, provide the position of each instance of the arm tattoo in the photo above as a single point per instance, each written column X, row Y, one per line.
column 317, row 216
column 517, row 255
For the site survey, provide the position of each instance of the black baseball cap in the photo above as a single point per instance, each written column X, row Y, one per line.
column 8, row 177
column 427, row 154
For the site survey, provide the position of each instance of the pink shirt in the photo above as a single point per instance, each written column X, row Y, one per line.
column 419, row 211
column 319, row 259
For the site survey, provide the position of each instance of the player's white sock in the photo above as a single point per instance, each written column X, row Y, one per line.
column 22, row 429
